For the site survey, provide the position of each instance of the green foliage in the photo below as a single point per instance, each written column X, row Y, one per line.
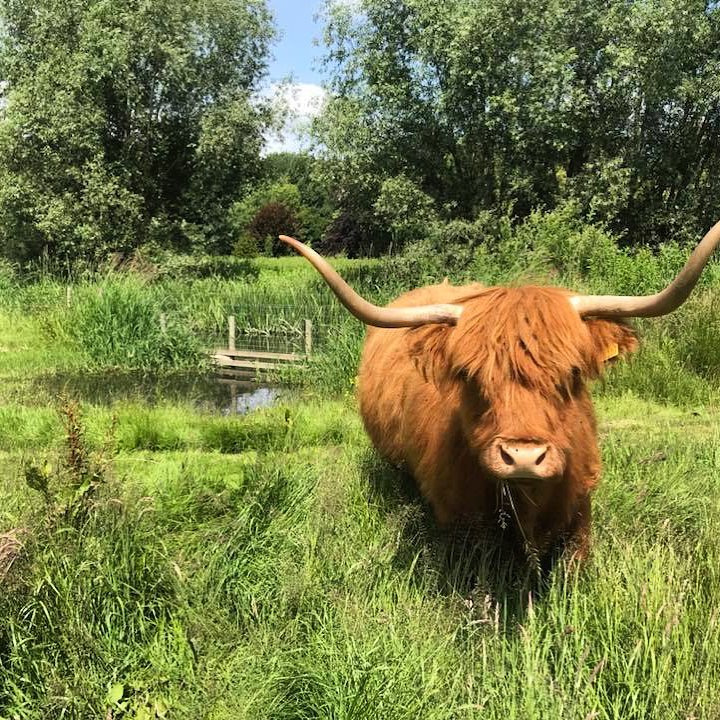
column 246, row 246
column 8, row 277
column 114, row 325
column 305, row 172
column 172, row 266
column 508, row 107
column 448, row 250
column 404, row 209
column 120, row 117
column 266, row 212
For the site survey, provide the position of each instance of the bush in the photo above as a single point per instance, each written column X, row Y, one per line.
column 346, row 234
column 160, row 266
column 269, row 211
column 246, row 246
column 271, row 220
column 458, row 249
column 404, row 209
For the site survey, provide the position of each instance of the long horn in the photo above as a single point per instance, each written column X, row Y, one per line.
column 367, row 312
column 662, row 303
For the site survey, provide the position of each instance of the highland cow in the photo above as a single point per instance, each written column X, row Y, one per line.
column 482, row 393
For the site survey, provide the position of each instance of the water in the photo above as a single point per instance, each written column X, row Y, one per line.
column 205, row 392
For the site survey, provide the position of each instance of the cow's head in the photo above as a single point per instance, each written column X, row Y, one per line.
column 520, row 357
column 518, row 360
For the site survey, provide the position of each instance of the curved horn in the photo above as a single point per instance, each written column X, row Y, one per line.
column 367, row 312
column 662, row 303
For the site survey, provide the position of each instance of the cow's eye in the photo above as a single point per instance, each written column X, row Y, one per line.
column 462, row 375
column 571, row 385
column 577, row 378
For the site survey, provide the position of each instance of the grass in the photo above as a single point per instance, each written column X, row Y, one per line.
column 301, row 577
column 182, row 564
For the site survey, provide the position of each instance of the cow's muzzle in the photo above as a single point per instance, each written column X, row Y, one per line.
column 522, row 460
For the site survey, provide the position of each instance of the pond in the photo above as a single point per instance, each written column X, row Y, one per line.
column 206, row 392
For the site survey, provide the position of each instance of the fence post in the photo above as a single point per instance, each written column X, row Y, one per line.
column 231, row 332
column 308, row 338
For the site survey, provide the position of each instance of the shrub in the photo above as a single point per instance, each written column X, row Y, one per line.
column 271, row 220
column 246, row 246
column 268, row 211
column 345, row 234
column 170, row 266
column 404, row 209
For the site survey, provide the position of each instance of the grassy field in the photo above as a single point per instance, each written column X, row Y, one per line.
column 273, row 566
column 158, row 561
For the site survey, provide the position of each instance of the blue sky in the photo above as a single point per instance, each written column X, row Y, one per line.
column 295, row 53
column 296, row 56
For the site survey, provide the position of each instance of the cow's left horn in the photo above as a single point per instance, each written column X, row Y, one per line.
column 662, row 303
column 367, row 312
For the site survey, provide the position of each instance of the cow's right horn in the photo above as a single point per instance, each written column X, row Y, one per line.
column 662, row 303
column 367, row 312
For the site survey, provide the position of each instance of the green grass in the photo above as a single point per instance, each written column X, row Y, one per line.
column 301, row 577
column 272, row 566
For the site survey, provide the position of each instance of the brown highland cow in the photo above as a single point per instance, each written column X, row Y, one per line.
column 482, row 393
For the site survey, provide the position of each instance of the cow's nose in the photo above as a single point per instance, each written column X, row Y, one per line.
column 528, row 460
column 523, row 455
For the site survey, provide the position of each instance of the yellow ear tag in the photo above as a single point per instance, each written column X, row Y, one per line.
column 611, row 351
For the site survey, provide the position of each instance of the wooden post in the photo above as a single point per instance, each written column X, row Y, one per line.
column 163, row 323
column 231, row 332
column 233, row 398
column 308, row 337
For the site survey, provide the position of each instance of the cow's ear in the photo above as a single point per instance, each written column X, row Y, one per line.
column 428, row 348
column 611, row 340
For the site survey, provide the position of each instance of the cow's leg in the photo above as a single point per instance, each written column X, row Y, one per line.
column 578, row 533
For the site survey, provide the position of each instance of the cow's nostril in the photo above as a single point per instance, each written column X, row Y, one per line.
column 507, row 458
column 541, row 457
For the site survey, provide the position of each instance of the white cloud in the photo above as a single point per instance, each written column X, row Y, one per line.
column 298, row 104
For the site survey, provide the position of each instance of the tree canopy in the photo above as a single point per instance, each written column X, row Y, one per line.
column 127, row 120
column 508, row 106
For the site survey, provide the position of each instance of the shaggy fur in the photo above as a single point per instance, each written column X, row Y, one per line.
column 514, row 367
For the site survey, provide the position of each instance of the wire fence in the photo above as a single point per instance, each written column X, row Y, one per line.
column 282, row 329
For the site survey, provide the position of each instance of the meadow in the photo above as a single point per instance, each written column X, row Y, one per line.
column 162, row 561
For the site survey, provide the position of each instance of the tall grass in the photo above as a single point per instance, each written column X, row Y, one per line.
column 119, row 325
column 311, row 582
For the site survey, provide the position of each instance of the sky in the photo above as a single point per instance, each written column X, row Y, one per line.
column 296, row 56
column 295, row 52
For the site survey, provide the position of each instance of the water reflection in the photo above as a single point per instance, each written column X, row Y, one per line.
column 244, row 400
column 206, row 392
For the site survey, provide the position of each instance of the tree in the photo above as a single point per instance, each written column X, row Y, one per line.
column 305, row 172
column 404, row 209
column 127, row 120
column 268, row 210
column 506, row 106
column 271, row 221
